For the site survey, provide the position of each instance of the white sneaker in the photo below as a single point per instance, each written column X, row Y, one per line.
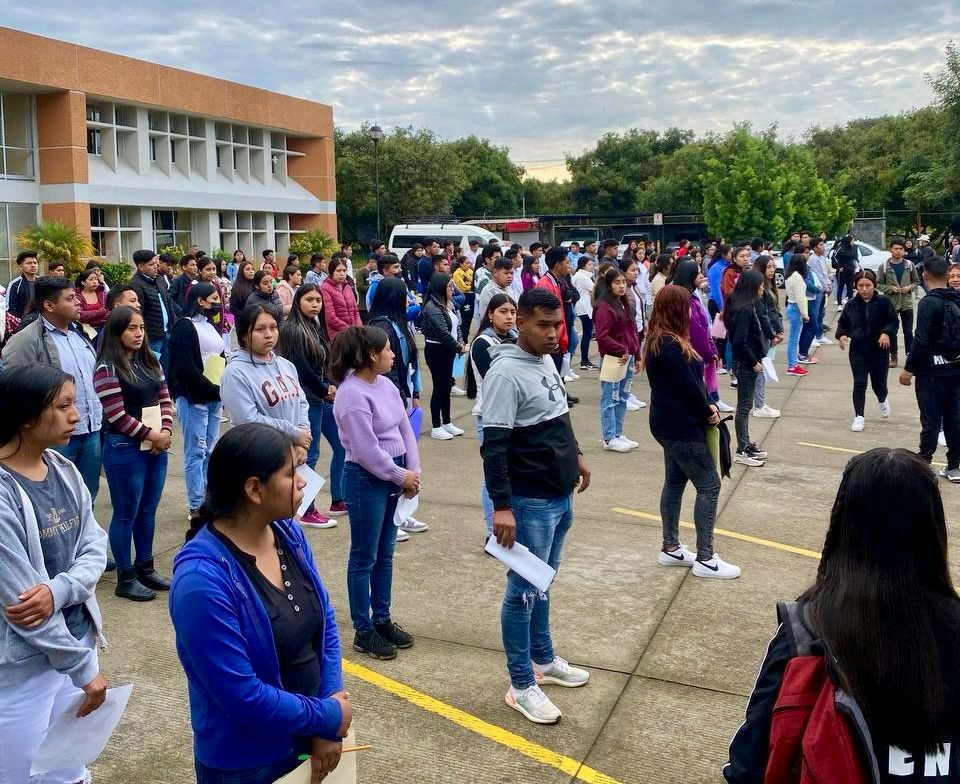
column 765, row 412
column 724, row 408
column 441, row 434
column 825, row 341
column 772, row 413
column 570, row 378
column 457, row 392
column 839, row 308
column 402, row 535
column 560, row 673
column 745, row 458
column 615, row 445
column 816, row 343
column 413, row 526
column 858, row 424
column 885, row 409
column 716, row 568
column 631, row 406
column 629, row 442
column 679, row 557
column 942, row 439
column 533, row 704
column 722, row 371
column 452, row 429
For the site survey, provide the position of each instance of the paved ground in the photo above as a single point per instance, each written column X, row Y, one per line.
column 672, row 657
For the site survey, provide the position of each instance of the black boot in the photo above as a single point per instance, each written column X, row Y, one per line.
column 149, row 577
column 129, row 587
column 111, row 565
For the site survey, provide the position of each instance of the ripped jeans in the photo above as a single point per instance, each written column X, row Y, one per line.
column 542, row 526
column 201, row 428
column 613, row 403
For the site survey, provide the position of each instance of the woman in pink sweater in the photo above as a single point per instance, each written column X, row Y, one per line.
column 339, row 304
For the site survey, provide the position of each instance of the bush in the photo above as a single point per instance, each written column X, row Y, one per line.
column 115, row 274
column 310, row 242
column 175, row 251
column 56, row 241
column 221, row 255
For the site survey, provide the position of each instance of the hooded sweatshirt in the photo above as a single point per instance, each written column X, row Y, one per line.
column 529, row 448
column 268, row 392
column 928, row 353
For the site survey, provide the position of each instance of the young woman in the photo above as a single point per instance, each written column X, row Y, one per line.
column 53, row 553
column 808, row 331
column 131, row 387
column 92, row 300
column 745, row 336
column 242, row 288
column 255, row 628
column 868, row 323
column 530, row 273
column 382, row 462
column 264, row 294
column 894, row 659
column 442, row 344
column 463, row 280
column 660, row 273
column 680, row 412
column 616, row 336
column 207, row 273
column 339, row 301
column 797, row 313
column 771, row 327
column 497, row 325
column 584, row 283
column 287, row 288
column 194, row 341
column 641, row 300
column 303, row 340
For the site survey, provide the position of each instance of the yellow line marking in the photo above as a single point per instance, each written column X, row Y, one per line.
column 841, row 449
column 787, row 548
column 489, row 731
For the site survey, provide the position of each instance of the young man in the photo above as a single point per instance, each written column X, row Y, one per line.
column 178, row 288
column 516, row 285
column 56, row 269
column 558, row 267
column 158, row 312
column 531, row 464
column 363, row 285
column 500, row 283
column 378, row 247
column 123, row 296
column 164, row 271
column 318, row 270
column 574, row 254
column 269, row 257
column 934, row 359
column 431, row 248
column 473, row 252
column 484, row 270
column 20, row 295
column 590, row 249
column 54, row 339
column 388, row 266
column 897, row 280
column 819, row 265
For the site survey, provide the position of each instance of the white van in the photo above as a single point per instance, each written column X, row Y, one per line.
column 405, row 235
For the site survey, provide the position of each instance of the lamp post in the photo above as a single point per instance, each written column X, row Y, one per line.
column 376, row 133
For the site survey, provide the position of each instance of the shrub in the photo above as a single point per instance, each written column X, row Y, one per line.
column 115, row 274
column 310, row 242
column 56, row 241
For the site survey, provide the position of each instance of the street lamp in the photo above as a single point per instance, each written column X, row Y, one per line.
column 376, row 133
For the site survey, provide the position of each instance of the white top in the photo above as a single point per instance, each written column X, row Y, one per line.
column 454, row 322
column 211, row 343
column 583, row 282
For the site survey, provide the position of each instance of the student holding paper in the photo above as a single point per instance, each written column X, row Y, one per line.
column 532, row 464
column 255, row 628
column 138, row 417
column 619, row 346
column 196, row 364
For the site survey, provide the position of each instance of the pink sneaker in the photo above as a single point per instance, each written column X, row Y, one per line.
column 337, row 509
column 313, row 519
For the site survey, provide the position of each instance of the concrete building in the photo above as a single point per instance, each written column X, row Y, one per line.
column 140, row 155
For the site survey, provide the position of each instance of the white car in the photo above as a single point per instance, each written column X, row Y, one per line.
column 627, row 238
column 405, row 235
column 871, row 257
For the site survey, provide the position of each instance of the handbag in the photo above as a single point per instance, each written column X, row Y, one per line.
column 718, row 330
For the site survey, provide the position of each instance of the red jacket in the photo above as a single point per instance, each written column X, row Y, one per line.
column 616, row 331
column 547, row 282
column 339, row 307
column 95, row 313
column 728, row 281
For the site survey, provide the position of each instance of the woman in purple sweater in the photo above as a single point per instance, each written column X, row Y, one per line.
column 381, row 463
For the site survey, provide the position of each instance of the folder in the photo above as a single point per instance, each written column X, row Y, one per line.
column 611, row 370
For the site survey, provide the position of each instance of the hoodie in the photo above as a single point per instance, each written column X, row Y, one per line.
column 529, row 448
column 715, row 276
column 928, row 353
column 269, row 392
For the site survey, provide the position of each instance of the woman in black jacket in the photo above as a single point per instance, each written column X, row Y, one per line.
column 869, row 323
column 771, row 325
column 264, row 293
column 196, row 361
column 745, row 334
column 389, row 312
column 443, row 341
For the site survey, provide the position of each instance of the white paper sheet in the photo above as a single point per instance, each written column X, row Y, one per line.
column 310, row 490
column 346, row 772
column 536, row 572
column 405, row 509
column 71, row 742
column 769, row 370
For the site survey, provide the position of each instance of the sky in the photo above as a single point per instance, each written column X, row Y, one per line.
column 544, row 77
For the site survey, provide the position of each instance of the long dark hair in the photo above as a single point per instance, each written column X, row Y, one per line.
column 247, row 320
column 352, row 348
column 114, row 355
column 199, row 290
column 241, row 286
column 760, row 265
column 798, row 263
column 620, row 305
column 248, row 450
column 486, row 322
column 743, row 295
column 390, row 302
column 884, row 601
column 437, row 291
column 27, row 391
column 300, row 336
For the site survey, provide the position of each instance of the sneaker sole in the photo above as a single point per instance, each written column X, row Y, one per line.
column 750, row 464
column 373, row 655
column 675, row 562
column 518, row 707
column 708, row 575
column 549, row 680
column 338, row 514
column 318, row 525
column 414, row 530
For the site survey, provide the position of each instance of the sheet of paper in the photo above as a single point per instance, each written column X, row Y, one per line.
column 71, row 742
column 518, row 558
column 89, row 331
column 346, row 772
column 769, row 370
column 213, row 368
column 405, row 508
column 150, row 416
column 611, row 370
column 314, row 483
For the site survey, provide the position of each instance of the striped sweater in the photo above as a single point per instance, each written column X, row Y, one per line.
column 124, row 414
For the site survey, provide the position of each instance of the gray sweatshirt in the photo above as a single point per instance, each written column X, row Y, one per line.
column 269, row 392
column 25, row 653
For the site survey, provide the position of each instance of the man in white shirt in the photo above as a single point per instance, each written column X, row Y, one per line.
column 473, row 252
column 819, row 265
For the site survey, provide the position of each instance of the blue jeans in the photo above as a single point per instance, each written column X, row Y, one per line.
column 201, row 428
column 542, row 526
column 322, row 422
column 574, row 338
column 371, row 504
column 613, row 404
column 262, row 774
column 135, row 478
column 159, row 347
column 809, row 328
column 485, row 501
column 795, row 321
column 821, row 312
column 84, row 452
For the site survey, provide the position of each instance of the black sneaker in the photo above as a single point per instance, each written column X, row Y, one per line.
column 588, row 366
column 394, row 633
column 755, row 451
column 372, row 644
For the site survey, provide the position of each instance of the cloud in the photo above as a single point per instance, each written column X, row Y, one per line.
column 545, row 77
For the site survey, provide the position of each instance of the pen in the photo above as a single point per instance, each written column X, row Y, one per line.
column 363, row 747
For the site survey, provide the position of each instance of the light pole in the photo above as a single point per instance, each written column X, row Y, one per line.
column 376, row 133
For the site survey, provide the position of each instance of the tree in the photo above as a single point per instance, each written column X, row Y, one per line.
column 678, row 188
column 493, row 185
column 816, row 207
column 547, row 197
column 56, row 241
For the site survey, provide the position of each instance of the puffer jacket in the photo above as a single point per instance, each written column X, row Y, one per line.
column 340, row 309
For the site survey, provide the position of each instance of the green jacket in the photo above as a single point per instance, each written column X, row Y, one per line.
column 888, row 284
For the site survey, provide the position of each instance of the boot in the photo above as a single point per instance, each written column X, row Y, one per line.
column 129, row 587
column 148, row 577
column 893, row 360
column 111, row 565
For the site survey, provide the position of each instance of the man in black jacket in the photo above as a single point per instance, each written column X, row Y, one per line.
column 177, row 291
column 935, row 360
column 158, row 312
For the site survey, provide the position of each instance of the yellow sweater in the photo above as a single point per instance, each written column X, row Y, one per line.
column 463, row 279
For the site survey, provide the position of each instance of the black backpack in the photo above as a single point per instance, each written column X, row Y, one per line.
column 949, row 344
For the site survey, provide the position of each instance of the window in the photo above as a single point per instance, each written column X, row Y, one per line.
column 173, row 151
column 94, row 141
column 172, row 227
column 153, row 149
column 16, row 137
column 13, row 218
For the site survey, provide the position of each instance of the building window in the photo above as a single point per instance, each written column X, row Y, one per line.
column 153, row 149
column 94, row 141
column 13, row 218
column 173, row 151
column 171, row 227
column 16, row 137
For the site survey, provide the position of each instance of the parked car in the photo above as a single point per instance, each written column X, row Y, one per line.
column 626, row 239
column 871, row 257
column 584, row 234
column 405, row 235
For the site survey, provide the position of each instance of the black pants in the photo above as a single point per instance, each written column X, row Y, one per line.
column 939, row 400
column 844, row 285
column 906, row 319
column 872, row 361
column 466, row 314
column 746, row 386
column 587, row 323
column 440, row 361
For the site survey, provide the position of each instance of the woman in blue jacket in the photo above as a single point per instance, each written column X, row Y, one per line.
column 255, row 628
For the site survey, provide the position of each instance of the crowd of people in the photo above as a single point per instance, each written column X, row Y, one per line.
column 95, row 380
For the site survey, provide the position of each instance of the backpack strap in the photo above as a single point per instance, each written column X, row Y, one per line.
column 802, row 639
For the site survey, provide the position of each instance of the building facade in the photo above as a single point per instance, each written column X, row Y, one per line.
column 140, row 155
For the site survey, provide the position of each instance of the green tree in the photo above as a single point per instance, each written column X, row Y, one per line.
column 547, row 197
column 56, row 241
column 493, row 183
column 678, row 188
column 816, row 206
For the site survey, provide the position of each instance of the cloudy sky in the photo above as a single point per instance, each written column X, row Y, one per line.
column 545, row 77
